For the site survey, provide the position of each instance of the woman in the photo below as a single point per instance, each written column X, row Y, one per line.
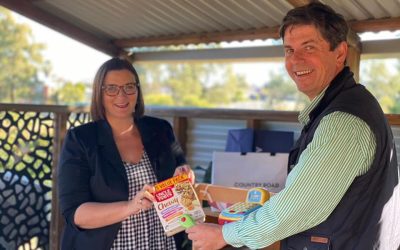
column 107, row 168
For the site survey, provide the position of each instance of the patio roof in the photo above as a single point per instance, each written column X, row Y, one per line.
column 112, row 26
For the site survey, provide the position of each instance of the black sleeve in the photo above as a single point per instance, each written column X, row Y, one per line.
column 73, row 177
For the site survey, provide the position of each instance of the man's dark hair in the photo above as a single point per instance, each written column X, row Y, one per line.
column 330, row 24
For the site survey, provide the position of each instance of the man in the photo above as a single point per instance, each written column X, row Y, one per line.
column 342, row 190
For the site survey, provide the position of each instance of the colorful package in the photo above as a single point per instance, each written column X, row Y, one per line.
column 174, row 198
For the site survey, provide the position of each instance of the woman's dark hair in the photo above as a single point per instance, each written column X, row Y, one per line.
column 97, row 108
column 330, row 24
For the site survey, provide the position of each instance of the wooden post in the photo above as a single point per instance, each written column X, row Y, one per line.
column 57, row 223
column 354, row 52
column 253, row 123
column 180, row 130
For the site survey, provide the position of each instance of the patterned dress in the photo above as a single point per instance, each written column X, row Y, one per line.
column 143, row 230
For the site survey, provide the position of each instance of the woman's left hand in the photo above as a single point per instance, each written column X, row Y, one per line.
column 185, row 169
column 142, row 201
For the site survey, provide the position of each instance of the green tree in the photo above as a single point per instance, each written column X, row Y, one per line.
column 232, row 88
column 21, row 62
column 383, row 83
column 184, row 82
column 191, row 84
column 152, row 77
column 280, row 92
column 395, row 109
column 71, row 93
column 159, row 99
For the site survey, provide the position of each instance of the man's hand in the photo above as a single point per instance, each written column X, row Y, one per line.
column 206, row 236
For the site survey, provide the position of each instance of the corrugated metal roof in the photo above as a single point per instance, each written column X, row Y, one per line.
column 152, row 18
column 114, row 21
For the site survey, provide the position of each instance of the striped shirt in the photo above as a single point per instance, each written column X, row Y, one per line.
column 342, row 148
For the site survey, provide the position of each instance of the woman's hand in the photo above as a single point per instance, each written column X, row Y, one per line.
column 143, row 200
column 185, row 169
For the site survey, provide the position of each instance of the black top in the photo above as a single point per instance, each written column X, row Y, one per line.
column 91, row 170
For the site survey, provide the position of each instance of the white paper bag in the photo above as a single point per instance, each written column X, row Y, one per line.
column 250, row 170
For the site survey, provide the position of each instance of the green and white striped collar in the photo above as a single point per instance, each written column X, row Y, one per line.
column 304, row 115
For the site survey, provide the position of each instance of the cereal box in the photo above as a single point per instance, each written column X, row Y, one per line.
column 175, row 197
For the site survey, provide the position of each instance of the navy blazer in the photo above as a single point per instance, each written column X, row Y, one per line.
column 91, row 170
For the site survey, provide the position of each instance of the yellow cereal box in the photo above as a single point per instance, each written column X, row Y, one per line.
column 175, row 197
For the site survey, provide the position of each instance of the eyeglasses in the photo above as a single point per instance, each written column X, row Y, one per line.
column 113, row 90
